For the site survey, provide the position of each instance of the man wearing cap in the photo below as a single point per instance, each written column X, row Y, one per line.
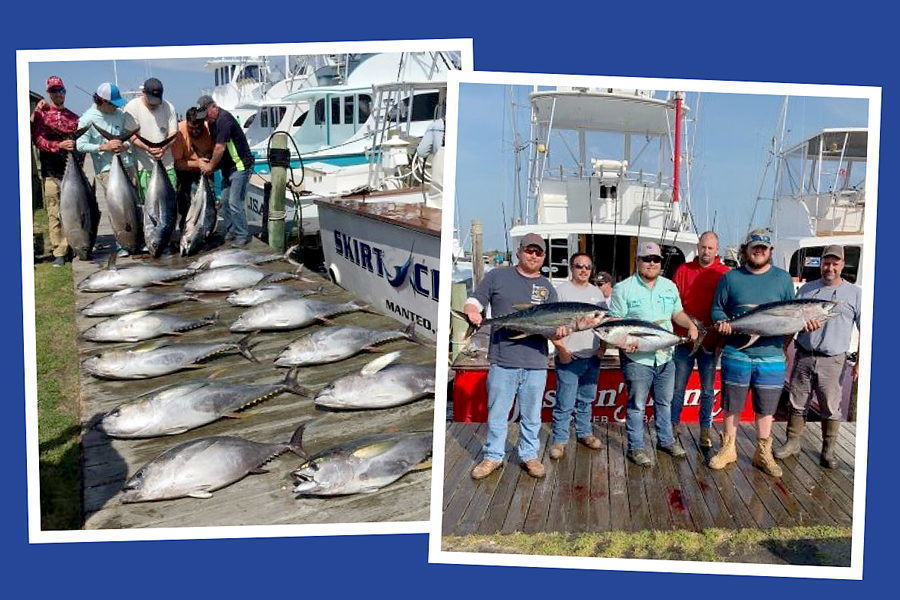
column 52, row 126
column 157, row 122
column 820, row 357
column 759, row 367
column 518, row 367
column 192, row 144
column 604, row 282
column 106, row 113
column 696, row 282
column 577, row 364
column 649, row 296
column 231, row 153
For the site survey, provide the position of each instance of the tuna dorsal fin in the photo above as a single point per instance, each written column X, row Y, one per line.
column 375, row 365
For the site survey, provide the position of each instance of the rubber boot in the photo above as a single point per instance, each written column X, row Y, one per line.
column 727, row 453
column 795, row 427
column 830, row 431
column 763, row 458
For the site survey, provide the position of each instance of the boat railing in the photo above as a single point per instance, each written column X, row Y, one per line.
column 842, row 212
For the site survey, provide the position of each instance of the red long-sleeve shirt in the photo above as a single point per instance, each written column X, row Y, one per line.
column 50, row 126
column 697, row 287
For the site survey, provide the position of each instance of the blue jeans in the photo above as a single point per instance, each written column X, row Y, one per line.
column 706, row 366
column 640, row 380
column 576, row 388
column 504, row 384
column 234, row 216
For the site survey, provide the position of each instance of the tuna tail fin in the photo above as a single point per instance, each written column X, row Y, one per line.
column 462, row 317
column 410, row 333
column 111, row 136
column 80, row 132
column 161, row 144
column 111, row 262
column 292, row 383
column 289, row 256
column 701, row 333
column 296, row 443
column 243, row 346
column 210, row 319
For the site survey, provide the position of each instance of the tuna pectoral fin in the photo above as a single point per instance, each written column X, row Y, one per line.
column 235, row 415
column 751, row 340
column 202, row 494
column 257, row 471
column 422, row 466
column 243, row 346
column 292, row 384
column 324, row 320
column 373, row 366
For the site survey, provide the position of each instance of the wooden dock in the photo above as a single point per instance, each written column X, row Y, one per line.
column 259, row 499
column 591, row 491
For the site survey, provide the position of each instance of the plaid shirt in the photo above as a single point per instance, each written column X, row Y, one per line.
column 50, row 126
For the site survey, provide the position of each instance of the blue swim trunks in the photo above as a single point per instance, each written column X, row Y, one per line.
column 740, row 373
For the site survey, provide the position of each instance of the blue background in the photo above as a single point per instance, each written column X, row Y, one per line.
column 845, row 43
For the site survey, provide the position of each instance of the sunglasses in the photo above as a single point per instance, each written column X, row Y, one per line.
column 61, row 90
column 588, row 267
column 651, row 259
column 533, row 250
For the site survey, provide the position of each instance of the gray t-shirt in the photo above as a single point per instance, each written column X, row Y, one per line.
column 834, row 335
column 582, row 344
column 501, row 289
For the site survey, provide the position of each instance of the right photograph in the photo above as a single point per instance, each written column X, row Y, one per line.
column 661, row 294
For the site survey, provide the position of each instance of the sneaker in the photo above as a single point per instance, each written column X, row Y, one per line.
column 59, row 261
column 557, row 451
column 591, row 441
column 534, row 468
column 639, row 457
column 240, row 242
column 485, row 468
column 122, row 253
column 675, row 450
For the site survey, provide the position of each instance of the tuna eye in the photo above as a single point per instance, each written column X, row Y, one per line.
column 314, row 466
column 115, row 413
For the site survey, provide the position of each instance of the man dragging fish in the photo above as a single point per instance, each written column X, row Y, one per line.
column 518, row 363
column 648, row 296
column 758, row 366
column 820, row 357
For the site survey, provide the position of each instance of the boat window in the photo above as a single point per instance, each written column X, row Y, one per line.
column 806, row 263
column 320, row 112
column 364, row 108
column 335, row 111
column 424, row 107
column 216, row 72
column 348, row 110
column 556, row 263
column 264, row 117
column 300, row 119
column 249, row 121
column 281, row 110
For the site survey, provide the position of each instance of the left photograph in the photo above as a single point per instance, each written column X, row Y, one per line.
column 230, row 267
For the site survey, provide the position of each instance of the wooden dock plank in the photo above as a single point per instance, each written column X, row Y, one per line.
column 620, row 517
column 599, row 514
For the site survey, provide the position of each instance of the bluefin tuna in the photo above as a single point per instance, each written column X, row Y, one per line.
column 379, row 384
column 200, row 221
column 78, row 210
column 364, row 465
column 264, row 292
column 232, row 256
column 199, row 467
column 545, row 319
column 785, row 317
column 131, row 300
column 152, row 359
column 113, row 278
column 290, row 313
column 160, row 210
column 231, row 278
column 647, row 336
column 144, row 325
column 180, row 407
column 122, row 201
column 337, row 343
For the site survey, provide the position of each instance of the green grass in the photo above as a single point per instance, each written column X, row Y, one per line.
column 818, row 545
column 57, row 383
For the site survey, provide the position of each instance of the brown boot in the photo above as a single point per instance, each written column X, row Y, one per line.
column 727, row 453
column 706, row 437
column 485, row 468
column 795, row 427
column 763, row 457
column 534, row 468
column 830, row 431
column 557, row 451
column 591, row 441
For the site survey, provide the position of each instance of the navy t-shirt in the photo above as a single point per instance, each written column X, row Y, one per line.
column 501, row 289
column 226, row 130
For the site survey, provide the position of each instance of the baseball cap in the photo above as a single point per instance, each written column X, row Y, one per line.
column 649, row 249
column 533, row 239
column 54, row 82
column 204, row 102
column 153, row 91
column 602, row 277
column 759, row 237
column 110, row 92
column 834, row 250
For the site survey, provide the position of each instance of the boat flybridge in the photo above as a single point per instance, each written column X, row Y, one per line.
column 240, row 83
column 820, row 200
column 602, row 179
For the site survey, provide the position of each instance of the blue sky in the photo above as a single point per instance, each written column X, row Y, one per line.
column 733, row 139
column 183, row 78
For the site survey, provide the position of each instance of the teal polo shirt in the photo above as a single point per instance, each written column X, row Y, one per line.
column 632, row 298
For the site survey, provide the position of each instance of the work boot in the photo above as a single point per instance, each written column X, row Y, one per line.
column 830, row 431
column 763, row 458
column 534, row 468
column 795, row 427
column 485, row 468
column 591, row 441
column 675, row 450
column 706, row 437
column 639, row 457
column 727, row 453
column 557, row 451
